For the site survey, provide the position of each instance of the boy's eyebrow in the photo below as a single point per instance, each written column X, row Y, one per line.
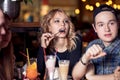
column 99, row 22
column 113, row 20
column 103, row 22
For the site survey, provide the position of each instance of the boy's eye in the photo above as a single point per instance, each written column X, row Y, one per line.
column 112, row 22
column 100, row 25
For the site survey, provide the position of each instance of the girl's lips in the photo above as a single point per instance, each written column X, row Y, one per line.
column 0, row 38
column 61, row 30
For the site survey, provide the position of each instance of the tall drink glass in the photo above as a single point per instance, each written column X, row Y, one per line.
column 63, row 69
column 50, row 65
column 31, row 71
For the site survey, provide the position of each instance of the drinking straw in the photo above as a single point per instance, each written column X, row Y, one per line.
column 44, row 53
column 60, row 30
column 45, row 76
column 56, row 54
column 57, row 57
column 23, row 54
column 28, row 56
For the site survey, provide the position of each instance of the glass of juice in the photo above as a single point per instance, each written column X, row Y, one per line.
column 63, row 69
column 31, row 71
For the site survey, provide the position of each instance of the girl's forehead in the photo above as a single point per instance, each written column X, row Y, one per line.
column 1, row 14
column 59, row 14
column 1, row 17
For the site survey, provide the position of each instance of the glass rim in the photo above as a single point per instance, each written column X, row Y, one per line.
column 63, row 61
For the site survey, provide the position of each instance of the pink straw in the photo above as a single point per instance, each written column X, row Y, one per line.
column 44, row 53
column 23, row 54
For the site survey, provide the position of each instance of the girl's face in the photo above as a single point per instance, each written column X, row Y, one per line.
column 106, row 26
column 5, row 34
column 59, row 22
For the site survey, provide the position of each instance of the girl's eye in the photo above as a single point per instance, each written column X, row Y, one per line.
column 56, row 21
column 2, row 25
column 66, row 21
column 7, row 28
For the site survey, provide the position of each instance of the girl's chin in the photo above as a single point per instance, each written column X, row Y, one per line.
column 4, row 45
column 62, row 37
column 0, row 40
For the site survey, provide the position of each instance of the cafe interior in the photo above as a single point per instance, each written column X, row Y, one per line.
column 27, row 15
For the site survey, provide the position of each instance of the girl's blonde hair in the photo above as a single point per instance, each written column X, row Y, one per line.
column 71, row 34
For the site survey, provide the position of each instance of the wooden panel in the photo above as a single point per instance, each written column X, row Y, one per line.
column 25, row 24
column 63, row 2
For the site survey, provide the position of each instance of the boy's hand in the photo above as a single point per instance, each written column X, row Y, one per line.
column 94, row 52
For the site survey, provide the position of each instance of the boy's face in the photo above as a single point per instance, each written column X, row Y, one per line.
column 106, row 26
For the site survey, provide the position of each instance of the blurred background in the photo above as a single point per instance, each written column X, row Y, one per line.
column 79, row 9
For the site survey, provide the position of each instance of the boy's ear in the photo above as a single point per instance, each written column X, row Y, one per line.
column 93, row 25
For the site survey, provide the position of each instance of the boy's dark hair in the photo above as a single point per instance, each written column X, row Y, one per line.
column 104, row 7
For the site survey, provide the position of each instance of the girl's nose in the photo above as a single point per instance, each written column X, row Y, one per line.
column 2, row 31
column 62, row 23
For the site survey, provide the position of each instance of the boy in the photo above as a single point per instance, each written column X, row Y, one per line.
column 104, row 52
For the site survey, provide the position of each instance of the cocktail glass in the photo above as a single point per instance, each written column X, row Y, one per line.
column 31, row 71
column 50, row 66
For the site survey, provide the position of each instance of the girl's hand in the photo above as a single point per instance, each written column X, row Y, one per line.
column 45, row 39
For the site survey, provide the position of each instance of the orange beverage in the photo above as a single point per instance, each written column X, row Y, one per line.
column 31, row 71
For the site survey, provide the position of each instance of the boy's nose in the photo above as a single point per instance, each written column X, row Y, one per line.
column 107, row 28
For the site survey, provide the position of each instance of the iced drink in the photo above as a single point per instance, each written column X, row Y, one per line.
column 31, row 71
column 63, row 68
column 50, row 65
